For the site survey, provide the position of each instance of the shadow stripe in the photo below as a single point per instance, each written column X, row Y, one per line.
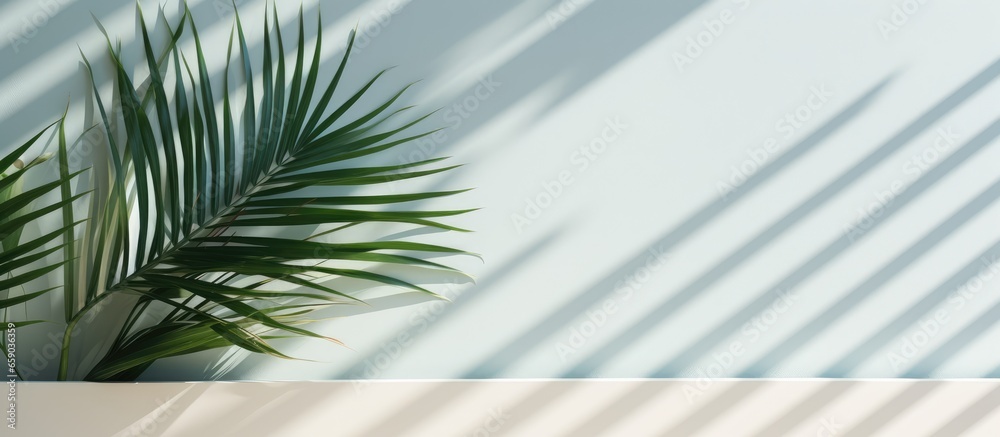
column 892, row 409
column 805, row 409
column 971, row 416
column 400, row 421
column 690, row 226
column 706, row 343
column 887, row 333
column 619, row 409
column 823, row 321
column 715, row 409
column 533, row 405
column 955, row 344
column 415, row 332
column 909, row 132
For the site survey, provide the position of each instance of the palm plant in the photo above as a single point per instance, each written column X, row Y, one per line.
column 187, row 222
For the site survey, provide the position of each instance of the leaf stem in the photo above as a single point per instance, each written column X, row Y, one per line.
column 68, row 334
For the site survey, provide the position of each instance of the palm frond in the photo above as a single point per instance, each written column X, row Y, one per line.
column 18, row 209
column 192, row 183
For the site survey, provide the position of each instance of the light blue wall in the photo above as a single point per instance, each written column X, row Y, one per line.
column 701, row 229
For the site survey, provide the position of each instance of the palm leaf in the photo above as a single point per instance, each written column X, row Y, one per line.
column 198, row 188
column 21, row 261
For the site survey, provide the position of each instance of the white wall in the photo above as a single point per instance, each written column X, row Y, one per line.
column 562, row 75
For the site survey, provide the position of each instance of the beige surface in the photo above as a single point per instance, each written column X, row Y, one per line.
column 513, row 408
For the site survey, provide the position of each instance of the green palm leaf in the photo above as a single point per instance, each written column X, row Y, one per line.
column 21, row 260
column 198, row 189
column 18, row 209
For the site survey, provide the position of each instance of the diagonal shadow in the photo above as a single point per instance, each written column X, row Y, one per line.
column 465, row 299
column 804, row 409
column 578, row 52
column 934, row 360
column 244, row 413
column 972, row 415
column 468, row 25
column 286, row 404
column 533, row 404
column 583, row 301
column 870, row 286
column 536, row 64
column 444, row 393
column 26, row 119
column 169, row 412
column 619, row 409
column 60, row 28
column 197, row 14
column 878, row 419
column 887, row 333
column 200, row 10
column 404, row 419
column 722, row 331
column 714, row 409
column 222, row 363
column 524, row 74
column 622, row 341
